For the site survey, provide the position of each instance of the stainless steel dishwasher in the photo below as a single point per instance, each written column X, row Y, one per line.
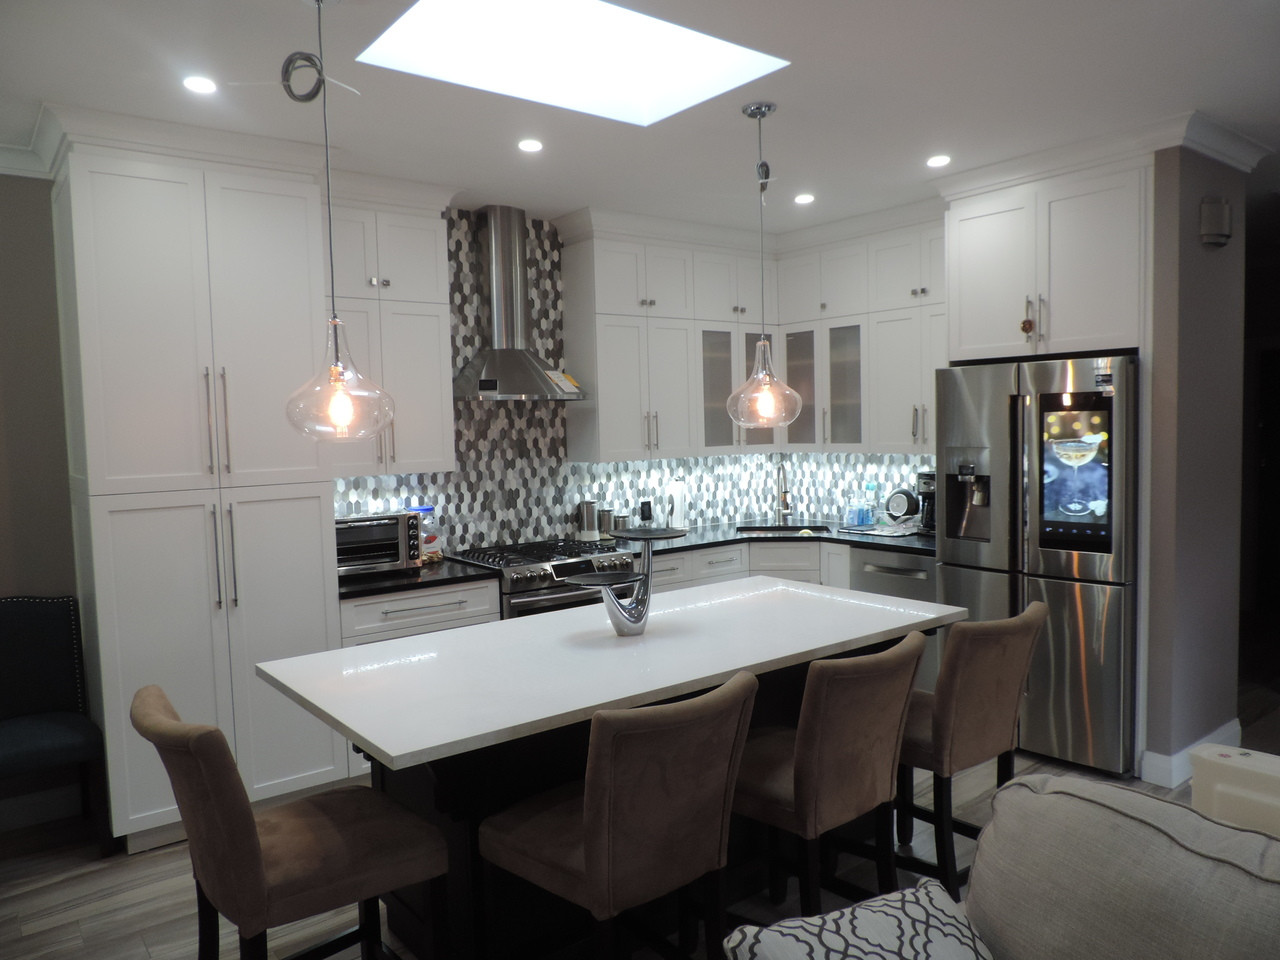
column 907, row 575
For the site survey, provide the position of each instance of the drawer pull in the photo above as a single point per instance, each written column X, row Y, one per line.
column 712, row 563
column 666, row 569
column 895, row 571
column 388, row 611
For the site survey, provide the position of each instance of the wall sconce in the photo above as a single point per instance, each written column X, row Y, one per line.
column 1215, row 222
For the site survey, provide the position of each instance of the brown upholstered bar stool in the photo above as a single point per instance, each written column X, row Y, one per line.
column 971, row 717
column 650, row 817
column 837, row 764
column 343, row 846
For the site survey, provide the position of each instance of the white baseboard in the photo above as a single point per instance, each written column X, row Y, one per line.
column 1173, row 771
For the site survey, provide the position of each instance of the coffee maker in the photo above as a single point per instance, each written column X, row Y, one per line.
column 926, row 490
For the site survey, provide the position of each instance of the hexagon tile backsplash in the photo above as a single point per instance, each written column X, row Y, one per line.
column 514, row 481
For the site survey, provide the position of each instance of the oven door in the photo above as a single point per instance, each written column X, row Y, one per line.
column 551, row 598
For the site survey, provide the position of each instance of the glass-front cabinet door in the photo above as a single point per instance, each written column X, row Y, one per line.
column 801, row 374
column 716, row 343
column 757, row 439
column 844, row 352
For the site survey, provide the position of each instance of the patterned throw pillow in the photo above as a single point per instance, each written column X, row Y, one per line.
column 923, row 923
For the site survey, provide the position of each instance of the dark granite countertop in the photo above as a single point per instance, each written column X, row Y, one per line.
column 444, row 573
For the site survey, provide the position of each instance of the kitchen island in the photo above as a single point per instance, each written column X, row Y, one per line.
column 462, row 722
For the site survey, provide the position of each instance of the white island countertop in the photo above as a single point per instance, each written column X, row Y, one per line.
column 433, row 695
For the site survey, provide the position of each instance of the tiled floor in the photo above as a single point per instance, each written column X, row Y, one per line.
column 58, row 901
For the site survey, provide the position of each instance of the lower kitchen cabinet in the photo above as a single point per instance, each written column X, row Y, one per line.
column 191, row 590
column 684, row 568
column 834, row 565
column 786, row 560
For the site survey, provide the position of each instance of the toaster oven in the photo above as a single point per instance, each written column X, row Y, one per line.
column 370, row 544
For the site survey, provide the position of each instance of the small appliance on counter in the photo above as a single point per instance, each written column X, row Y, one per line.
column 926, row 491
column 373, row 543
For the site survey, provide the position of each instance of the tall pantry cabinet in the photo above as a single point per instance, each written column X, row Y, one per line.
column 191, row 307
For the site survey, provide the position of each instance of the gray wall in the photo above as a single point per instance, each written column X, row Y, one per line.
column 35, row 502
column 1196, row 365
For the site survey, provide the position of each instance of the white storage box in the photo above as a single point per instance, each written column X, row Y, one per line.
column 1237, row 786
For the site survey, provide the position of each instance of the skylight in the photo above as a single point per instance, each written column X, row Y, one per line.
column 582, row 55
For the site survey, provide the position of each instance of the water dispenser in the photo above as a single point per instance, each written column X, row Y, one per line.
column 968, row 503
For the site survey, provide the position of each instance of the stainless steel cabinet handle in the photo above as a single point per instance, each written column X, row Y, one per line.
column 386, row 282
column 915, row 422
column 217, row 559
column 742, row 309
column 665, row 569
column 895, row 571
column 924, row 423
column 226, row 423
column 380, row 448
column 231, row 552
column 1040, row 317
column 924, row 291
column 391, row 429
column 915, row 291
column 1028, row 325
column 713, row 563
column 824, row 424
column 208, row 405
column 388, row 611
column 657, row 436
column 822, row 306
column 646, row 431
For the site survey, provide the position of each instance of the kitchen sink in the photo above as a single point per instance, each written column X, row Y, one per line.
column 785, row 528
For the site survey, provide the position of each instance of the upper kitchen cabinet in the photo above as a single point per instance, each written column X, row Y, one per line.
column 906, row 348
column 726, row 287
column 823, row 284
column 1054, row 266
column 380, row 255
column 905, row 268
column 726, row 357
column 190, row 305
column 824, row 362
column 406, row 349
column 643, row 279
column 639, row 378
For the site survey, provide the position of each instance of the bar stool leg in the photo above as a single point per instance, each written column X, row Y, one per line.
column 886, row 867
column 905, row 801
column 944, row 835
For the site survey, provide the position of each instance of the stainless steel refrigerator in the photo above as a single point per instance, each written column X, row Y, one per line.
column 1037, row 501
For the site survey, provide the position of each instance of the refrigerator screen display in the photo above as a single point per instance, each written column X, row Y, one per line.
column 1075, row 493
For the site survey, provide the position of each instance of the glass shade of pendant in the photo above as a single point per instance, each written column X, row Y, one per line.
column 339, row 403
column 764, row 400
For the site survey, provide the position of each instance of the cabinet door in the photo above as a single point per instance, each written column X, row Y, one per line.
column 672, row 375
column 799, row 299
column 991, row 274
column 905, row 268
column 835, row 565
column 716, row 359
column 933, row 265
column 801, row 375
column 757, row 439
column 669, row 281
column 417, row 368
column 715, row 287
column 355, row 253
column 895, row 380
column 413, row 262
column 622, row 388
column 356, row 458
column 135, row 233
column 158, row 613
column 269, row 329
column 753, row 295
column 620, row 278
column 842, row 352
column 1091, row 263
column 843, row 274
column 933, row 330
column 281, row 568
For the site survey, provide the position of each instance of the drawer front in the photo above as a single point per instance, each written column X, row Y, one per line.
column 418, row 611
column 670, row 568
column 718, row 562
column 766, row 557
column 894, row 574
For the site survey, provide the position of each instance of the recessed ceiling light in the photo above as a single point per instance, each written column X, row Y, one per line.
column 530, row 145
column 941, row 160
column 200, row 85
column 609, row 62
column 804, row 198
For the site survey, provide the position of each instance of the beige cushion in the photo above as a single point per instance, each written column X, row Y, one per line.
column 1070, row 868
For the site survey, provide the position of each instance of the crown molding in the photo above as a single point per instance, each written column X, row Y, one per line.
column 592, row 223
column 1193, row 130
column 923, row 213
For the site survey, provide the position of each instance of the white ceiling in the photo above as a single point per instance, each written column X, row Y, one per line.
column 874, row 87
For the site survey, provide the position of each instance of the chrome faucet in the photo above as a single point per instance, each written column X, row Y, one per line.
column 783, row 508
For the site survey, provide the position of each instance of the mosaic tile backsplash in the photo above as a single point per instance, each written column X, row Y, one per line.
column 513, row 481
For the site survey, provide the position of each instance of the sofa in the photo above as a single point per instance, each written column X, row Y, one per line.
column 1067, row 869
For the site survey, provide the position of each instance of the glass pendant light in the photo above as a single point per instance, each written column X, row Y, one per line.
column 764, row 400
column 338, row 403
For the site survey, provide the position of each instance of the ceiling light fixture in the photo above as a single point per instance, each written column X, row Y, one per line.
column 940, row 160
column 530, row 145
column 338, row 403
column 804, row 198
column 200, row 85
column 763, row 400
column 609, row 61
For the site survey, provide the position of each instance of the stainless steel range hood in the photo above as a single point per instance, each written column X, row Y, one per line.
column 507, row 368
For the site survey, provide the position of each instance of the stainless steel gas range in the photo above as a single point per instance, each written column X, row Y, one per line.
column 533, row 574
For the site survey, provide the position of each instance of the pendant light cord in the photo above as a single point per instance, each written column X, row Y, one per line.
column 319, row 88
column 762, row 172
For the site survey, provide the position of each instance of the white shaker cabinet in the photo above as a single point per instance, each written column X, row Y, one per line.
column 905, row 268
column 828, row 283
column 643, row 279
column 727, row 287
column 725, row 357
column 906, row 347
column 1054, row 266
column 380, row 255
column 191, row 590
column 825, row 363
